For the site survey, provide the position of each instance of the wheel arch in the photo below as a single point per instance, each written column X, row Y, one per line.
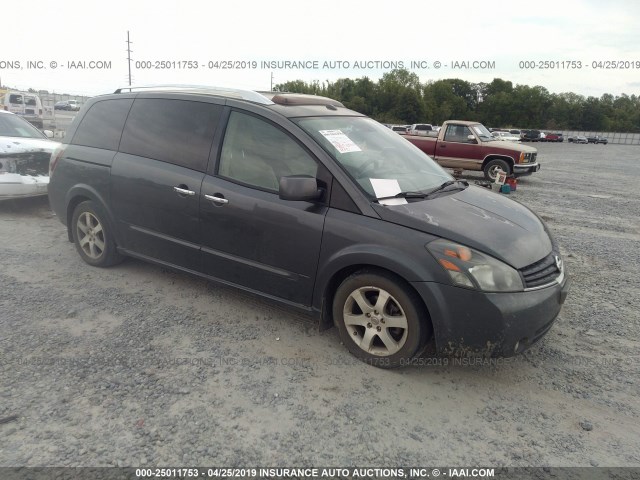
column 81, row 193
column 339, row 273
column 510, row 160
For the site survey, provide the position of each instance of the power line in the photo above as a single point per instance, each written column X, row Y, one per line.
column 129, row 55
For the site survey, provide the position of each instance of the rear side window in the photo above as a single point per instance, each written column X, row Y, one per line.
column 101, row 127
column 172, row 131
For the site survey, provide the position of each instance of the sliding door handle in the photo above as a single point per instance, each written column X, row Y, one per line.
column 218, row 200
column 183, row 191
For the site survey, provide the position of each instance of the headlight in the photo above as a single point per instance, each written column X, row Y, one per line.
column 525, row 157
column 469, row 268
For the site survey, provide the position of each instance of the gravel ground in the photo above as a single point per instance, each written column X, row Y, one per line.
column 139, row 366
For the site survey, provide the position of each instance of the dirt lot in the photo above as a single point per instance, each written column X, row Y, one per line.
column 135, row 365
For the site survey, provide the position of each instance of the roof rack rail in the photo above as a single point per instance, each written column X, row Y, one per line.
column 248, row 95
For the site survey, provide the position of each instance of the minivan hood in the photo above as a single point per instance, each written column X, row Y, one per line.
column 480, row 219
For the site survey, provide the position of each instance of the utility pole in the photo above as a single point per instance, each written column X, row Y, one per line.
column 129, row 55
column 271, row 82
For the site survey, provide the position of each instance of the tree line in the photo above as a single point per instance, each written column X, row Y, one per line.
column 400, row 98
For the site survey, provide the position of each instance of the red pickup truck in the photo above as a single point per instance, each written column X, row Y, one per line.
column 470, row 146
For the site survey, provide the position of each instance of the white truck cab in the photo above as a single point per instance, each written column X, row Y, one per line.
column 27, row 105
column 424, row 129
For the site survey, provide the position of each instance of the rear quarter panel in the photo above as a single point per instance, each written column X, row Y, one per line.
column 76, row 178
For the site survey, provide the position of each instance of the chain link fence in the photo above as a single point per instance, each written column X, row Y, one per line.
column 58, row 120
column 612, row 137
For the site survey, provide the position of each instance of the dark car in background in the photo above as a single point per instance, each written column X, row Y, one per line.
column 69, row 105
column 530, row 135
column 597, row 139
column 401, row 129
column 296, row 198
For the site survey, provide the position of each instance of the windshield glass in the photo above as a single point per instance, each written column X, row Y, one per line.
column 378, row 159
column 482, row 132
column 14, row 126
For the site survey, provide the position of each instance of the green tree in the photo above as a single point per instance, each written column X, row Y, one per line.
column 399, row 97
column 446, row 104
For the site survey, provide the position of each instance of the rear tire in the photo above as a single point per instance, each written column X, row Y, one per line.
column 380, row 319
column 92, row 236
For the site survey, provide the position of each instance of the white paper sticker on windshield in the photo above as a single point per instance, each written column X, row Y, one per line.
column 339, row 140
column 387, row 187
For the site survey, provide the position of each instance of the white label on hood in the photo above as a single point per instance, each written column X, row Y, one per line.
column 387, row 187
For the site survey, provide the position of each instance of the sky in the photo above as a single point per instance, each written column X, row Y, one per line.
column 225, row 43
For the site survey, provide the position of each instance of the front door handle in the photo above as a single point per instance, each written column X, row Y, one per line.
column 183, row 191
column 218, row 200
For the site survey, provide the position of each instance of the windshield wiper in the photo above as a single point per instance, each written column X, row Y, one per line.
column 447, row 184
column 443, row 187
column 405, row 195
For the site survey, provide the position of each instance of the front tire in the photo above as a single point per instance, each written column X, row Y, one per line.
column 492, row 167
column 92, row 236
column 380, row 319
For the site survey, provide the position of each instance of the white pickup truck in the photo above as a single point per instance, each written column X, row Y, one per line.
column 423, row 129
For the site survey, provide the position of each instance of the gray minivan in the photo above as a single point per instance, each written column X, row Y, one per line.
column 296, row 198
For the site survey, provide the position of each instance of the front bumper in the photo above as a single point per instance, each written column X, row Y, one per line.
column 14, row 185
column 525, row 168
column 469, row 322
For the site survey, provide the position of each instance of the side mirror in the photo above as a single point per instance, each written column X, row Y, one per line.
column 48, row 133
column 471, row 139
column 299, row 188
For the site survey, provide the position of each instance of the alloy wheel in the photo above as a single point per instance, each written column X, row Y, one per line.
column 90, row 235
column 375, row 320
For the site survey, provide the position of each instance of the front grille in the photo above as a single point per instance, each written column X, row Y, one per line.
column 533, row 157
column 542, row 272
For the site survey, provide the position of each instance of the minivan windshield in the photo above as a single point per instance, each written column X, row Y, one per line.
column 380, row 161
column 14, row 126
